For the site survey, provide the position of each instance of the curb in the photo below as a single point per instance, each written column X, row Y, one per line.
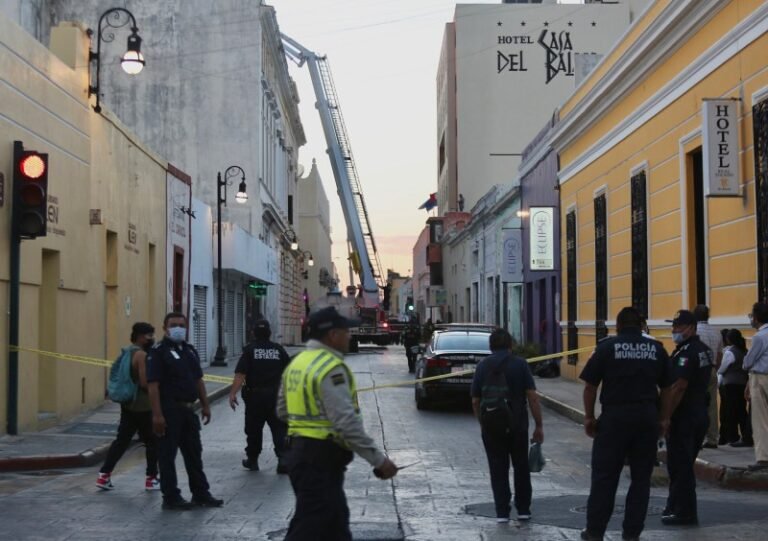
column 89, row 457
column 709, row 472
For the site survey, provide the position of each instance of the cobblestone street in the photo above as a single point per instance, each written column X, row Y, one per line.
column 444, row 497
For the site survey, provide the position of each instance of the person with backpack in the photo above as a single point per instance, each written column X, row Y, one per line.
column 128, row 386
column 501, row 387
column 631, row 368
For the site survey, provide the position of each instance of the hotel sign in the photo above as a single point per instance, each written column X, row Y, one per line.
column 542, row 238
column 721, row 148
column 512, row 265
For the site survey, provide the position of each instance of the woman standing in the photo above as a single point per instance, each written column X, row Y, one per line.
column 734, row 382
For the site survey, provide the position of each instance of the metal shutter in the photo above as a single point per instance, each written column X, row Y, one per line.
column 229, row 323
column 200, row 322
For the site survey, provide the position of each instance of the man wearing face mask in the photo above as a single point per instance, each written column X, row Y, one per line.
column 175, row 384
column 135, row 416
column 684, row 410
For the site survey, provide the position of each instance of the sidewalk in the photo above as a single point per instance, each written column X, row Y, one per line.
column 725, row 466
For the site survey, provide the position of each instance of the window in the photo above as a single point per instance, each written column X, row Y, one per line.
column 639, row 243
column 760, row 121
column 290, row 209
column 601, row 268
column 442, row 155
column 570, row 246
column 697, row 238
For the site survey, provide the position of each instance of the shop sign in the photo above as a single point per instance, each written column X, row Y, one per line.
column 542, row 238
column 721, row 148
column 512, row 264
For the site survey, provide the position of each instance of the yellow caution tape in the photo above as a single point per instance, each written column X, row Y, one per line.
column 228, row 380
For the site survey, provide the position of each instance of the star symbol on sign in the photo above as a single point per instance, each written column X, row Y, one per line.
column 594, row 23
column 570, row 23
column 499, row 23
column 522, row 23
column 546, row 23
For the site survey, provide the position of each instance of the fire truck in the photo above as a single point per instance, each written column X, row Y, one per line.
column 361, row 303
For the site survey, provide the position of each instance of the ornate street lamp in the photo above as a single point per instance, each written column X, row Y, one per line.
column 132, row 61
column 220, row 359
column 308, row 256
column 293, row 239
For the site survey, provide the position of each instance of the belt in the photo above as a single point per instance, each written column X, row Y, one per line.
column 186, row 405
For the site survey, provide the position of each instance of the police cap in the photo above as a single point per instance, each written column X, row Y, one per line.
column 683, row 317
column 326, row 319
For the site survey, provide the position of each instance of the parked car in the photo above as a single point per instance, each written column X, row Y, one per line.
column 457, row 348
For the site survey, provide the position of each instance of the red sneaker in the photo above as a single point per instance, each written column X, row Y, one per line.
column 104, row 482
column 152, row 483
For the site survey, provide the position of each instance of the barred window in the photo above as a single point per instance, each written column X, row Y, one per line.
column 760, row 123
column 601, row 268
column 570, row 246
column 639, row 244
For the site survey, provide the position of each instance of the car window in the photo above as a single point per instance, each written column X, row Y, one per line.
column 462, row 342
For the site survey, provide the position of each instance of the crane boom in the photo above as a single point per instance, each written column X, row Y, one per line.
column 363, row 254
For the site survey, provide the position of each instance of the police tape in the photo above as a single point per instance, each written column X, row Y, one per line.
column 104, row 363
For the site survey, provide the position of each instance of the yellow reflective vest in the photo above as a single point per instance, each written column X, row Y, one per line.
column 302, row 381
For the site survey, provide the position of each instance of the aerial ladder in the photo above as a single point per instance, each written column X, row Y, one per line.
column 363, row 255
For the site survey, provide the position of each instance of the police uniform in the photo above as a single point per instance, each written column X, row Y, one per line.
column 318, row 398
column 262, row 362
column 692, row 361
column 630, row 368
column 411, row 336
column 176, row 369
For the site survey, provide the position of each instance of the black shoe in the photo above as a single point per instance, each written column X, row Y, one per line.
column 586, row 535
column 177, row 505
column 758, row 466
column 207, row 501
column 630, row 537
column 282, row 469
column 709, row 446
column 679, row 520
column 742, row 443
column 251, row 464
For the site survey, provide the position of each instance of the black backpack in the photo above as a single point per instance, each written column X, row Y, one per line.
column 500, row 413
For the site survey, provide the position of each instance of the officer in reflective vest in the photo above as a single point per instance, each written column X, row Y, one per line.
column 318, row 399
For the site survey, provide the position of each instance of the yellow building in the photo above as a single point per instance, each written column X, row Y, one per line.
column 102, row 265
column 660, row 206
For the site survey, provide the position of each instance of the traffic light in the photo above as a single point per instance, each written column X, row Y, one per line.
column 30, row 193
column 409, row 304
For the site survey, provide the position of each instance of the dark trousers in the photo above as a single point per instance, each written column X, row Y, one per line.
column 130, row 423
column 499, row 452
column 686, row 435
column 623, row 433
column 317, row 476
column 734, row 421
column 182, row 433
column 260, row 407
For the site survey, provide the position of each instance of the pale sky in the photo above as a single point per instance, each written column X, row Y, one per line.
column 384, row 56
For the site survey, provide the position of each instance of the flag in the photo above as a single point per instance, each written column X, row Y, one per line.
column 430, row 203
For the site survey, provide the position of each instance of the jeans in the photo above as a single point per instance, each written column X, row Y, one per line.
column 623, row 432
column 499, row 452
column 130, row 423
column 182, row 433
column 260, row 407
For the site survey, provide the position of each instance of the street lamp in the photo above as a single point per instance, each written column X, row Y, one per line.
column 132, row 61
column 220, row 359
column 311, row 260
column 291, row 234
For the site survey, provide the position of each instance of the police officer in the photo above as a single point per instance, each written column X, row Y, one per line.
column 630, row 368
column 260, row 367
column 411, row 336
column 175, row 382
column 318, row 398
column 684, row 404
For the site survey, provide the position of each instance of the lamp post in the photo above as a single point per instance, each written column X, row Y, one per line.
column 292, row 238
column 132, row 61
column 311, row 260
column 220, row 359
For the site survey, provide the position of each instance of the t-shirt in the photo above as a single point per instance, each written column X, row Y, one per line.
column 263, row 363
column 631, row 368
column 176, row 367
column 516, row 370
column 693, row 362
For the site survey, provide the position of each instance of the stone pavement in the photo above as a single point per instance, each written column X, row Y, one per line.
column 726, row 466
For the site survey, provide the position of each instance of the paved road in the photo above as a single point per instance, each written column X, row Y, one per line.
column 442, row 498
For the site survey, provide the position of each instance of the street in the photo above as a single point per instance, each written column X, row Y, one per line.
column 443, row 497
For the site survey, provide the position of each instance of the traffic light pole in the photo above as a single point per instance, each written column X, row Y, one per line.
column 13, row 337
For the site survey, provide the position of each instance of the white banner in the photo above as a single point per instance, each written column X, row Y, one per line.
column 721, row 148
column 512, row 265
column 542, row 238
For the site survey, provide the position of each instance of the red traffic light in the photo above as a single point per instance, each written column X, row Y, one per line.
column 32, row 166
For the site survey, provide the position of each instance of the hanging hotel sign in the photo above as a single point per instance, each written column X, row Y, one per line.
column 721, row 148
column 542, row 239
column 512, row 265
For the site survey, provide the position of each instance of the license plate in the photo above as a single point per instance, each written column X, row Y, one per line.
column 470, row 366
column 457, row 369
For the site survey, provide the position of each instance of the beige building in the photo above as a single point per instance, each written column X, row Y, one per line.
column 315, row 236
column 102, row 265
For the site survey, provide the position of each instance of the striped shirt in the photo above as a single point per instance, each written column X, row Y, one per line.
column 711, row 338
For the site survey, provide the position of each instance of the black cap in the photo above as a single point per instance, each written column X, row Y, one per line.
column 261, row 325
column 683, row 317
column 326, row 319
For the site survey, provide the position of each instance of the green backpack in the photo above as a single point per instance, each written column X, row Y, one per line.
column 500, row 414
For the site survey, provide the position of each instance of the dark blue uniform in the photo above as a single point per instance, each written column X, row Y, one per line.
column 176, row 369
column 631, row 368
column 263, row 363
column 692, row 361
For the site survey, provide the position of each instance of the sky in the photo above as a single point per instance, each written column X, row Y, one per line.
column 383, row 55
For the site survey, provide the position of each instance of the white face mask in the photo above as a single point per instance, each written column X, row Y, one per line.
column 177, row 334
column 678, row 338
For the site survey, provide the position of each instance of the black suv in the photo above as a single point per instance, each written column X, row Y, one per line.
column 457, row 348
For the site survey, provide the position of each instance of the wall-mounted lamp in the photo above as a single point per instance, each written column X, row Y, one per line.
column 132, row 61
column 293, row 239
column 522, row 213
column 311, row 260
